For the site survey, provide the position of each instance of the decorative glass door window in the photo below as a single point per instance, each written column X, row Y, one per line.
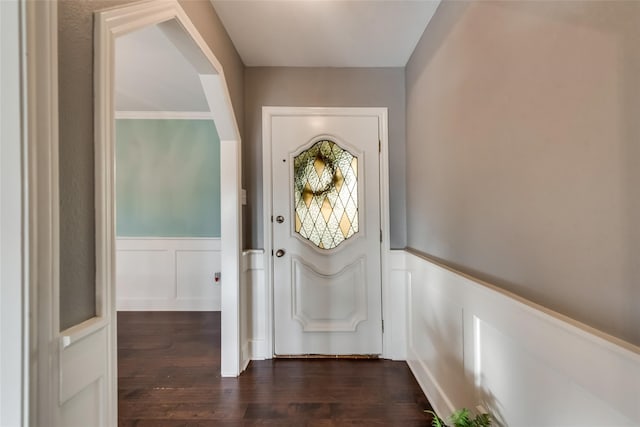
column 326, row 194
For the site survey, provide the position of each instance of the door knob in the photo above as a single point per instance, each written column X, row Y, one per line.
column 279, row 219
column 280, row 253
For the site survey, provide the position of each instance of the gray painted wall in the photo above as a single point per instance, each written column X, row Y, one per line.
column 322, row 87
column 75, row 50
column 523, row 140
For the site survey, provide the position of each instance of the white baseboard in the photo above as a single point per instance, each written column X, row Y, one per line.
column 169, row 305
column 438, row 397
column 471, row 343
column 257, row 349
column 245, row 356
column 167, row 274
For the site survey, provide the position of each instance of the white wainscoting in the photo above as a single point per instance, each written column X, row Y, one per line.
column 85, row 379
column 167, row 274
column 253, row 311
column 471, row 343
column 394, row 305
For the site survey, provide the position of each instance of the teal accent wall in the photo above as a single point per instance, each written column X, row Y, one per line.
column 167, row 178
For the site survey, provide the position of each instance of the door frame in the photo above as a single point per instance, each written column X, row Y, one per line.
column 41, row 217
column 268, row 113
column 110, row 24
column 42, row 339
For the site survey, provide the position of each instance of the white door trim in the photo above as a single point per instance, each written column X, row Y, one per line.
column 40, row 53
column 267, row 115
column 109, row 25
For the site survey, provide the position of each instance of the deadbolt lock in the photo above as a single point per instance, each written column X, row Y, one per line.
column 279, row 219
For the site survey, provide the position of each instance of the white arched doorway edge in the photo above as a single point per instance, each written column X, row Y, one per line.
column 172, row 19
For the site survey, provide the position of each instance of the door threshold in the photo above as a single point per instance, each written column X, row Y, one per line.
column 326, row 356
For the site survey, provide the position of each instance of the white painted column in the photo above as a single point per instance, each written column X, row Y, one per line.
column 215, row 90
column 230, row 256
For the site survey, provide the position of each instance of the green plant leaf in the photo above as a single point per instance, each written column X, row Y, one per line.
column 461, row 418
column 482, row 420
column 436, row 421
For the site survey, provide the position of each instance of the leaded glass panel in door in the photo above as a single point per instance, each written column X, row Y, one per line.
column 326, row 194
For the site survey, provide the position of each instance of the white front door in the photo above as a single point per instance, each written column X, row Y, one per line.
column 326, row 234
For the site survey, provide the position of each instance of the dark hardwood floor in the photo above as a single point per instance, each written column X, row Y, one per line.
column 169, row 375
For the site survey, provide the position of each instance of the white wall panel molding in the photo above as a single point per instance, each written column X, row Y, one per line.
column 83, row 374
column 253, row 303
column 168, row 274
column 395, row 307
column 472, row 343
column 348, row 286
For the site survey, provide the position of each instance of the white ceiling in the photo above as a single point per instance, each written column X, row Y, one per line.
column 152, row 75
column 325, row 33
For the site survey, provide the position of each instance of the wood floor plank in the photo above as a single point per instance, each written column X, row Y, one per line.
column 169, row 376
